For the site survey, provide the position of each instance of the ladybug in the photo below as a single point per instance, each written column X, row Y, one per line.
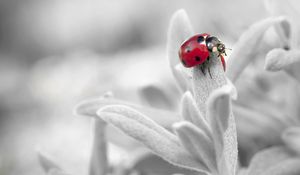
column 197, row 49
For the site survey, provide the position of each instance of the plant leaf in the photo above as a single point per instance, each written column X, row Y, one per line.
column 222, row 122
column 219, row 108
column 56, row 172
column 140, row 118
column 233, row 92
column 246, row 47
column 242, row 171
column 283, row 30
column 149, row 133
column 267, row 158
column 204, row 84
column 286, row 167
column 197, row 143
column 279, row 8
column 186, row 74
column 291, row 138
column 90, row 107
column 191, row 113
column 289, row 61
column 252, row 124
column 279, row 58
column 47, row 163
column 218, row 112
column 149, row 163
column 179, row 30
column 157, row 97
column 230, row 145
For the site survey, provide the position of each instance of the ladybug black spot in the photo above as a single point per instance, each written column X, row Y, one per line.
column 200, row 39
column 197, row 58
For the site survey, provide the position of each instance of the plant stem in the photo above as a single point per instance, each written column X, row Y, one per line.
column 98, row 162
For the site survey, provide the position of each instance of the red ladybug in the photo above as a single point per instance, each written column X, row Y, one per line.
column 197, row 49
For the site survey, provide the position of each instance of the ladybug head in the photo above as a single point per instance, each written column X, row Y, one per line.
column 214, row 44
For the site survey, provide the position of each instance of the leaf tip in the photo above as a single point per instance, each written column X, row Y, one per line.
column 180, row 13
column 86, row 107
column 46, row 162
column 179, row 125
column 274, row 60
column 233, row 90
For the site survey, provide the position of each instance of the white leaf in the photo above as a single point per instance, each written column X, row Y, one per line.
column 191, row 113
column 180, row 29
column 197, row 143
column 246, row 47
column 159, row 140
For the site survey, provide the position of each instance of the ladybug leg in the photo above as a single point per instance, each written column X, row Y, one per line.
column 208, row 68
column 223, row 63
column 202, row 68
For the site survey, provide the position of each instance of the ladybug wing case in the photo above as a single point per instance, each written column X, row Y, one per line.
column 194, row 51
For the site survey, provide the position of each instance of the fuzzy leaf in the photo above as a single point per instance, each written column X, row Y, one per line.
column 218, row 111
column 223, row 126
column 286, row 167
column 291, row 138
column 262, row 89
column 246, row 47
column 266, row 159
column 252, row 124
column 219, row 108
column 289, row 61
column 283, row 30
column 98, row 162
column 139, row 117
column 280, row 34
column 57, row 172
column 279, row 58
column 90, row 107
column 157, row 97
column 203, row 84
column 185, row 74
column 233, row 92
column 148, row 163
column 191, row 113
column 279, row 8
column 179, row 30
column 197, row 143
column 47, row 163
column 160, row 141
column 230, row 145
column 242, row 171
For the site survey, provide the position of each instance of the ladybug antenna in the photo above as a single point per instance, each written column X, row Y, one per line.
column 228, row 48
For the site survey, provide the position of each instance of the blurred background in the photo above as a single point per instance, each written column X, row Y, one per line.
column 54, row 53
